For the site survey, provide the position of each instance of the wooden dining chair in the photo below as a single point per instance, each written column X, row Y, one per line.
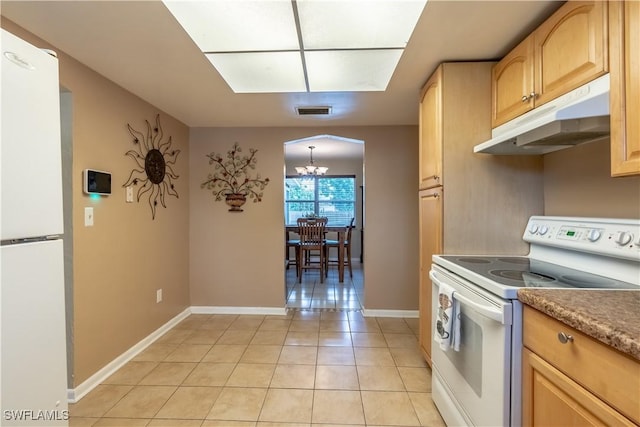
column 330, row 244
column 311, row 231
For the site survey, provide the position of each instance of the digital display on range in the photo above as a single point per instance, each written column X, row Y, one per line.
column 570, row 233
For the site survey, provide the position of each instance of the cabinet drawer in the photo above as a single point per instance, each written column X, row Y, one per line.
column 550, row 398
column 607, row 373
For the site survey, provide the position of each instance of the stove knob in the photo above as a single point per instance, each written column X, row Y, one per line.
column 533, row 228
column 594, row 235
column 623, row 238
column 543, row 230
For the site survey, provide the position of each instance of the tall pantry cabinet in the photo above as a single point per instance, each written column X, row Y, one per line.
column 469, row 203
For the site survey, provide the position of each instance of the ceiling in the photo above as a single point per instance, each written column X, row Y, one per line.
column 140, row 46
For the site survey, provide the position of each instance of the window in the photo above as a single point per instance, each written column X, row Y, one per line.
column 330, row 196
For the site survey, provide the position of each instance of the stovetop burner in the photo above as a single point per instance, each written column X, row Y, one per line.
column 513, row 260
column 476, row 260
column 523, row 272
column 523, row 276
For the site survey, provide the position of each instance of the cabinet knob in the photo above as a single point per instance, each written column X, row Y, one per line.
column 525, row 98
column 564, row 338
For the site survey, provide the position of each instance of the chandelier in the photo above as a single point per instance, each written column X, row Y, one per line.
column 311, row 169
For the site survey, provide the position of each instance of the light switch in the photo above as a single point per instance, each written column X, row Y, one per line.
column 129, row 191
column 88, row 217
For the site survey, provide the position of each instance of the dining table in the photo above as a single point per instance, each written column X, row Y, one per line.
column 341, row 230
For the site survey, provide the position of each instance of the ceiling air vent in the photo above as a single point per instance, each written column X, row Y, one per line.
column 313, row 111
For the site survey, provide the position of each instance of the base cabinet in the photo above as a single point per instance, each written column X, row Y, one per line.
column 578, row 382
column 554, row 399
column 430, row 225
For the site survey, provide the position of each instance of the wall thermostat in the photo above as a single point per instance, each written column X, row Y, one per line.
column 96, row 182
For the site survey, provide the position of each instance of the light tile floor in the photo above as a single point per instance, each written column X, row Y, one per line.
column 307, row 368
column 330, row 294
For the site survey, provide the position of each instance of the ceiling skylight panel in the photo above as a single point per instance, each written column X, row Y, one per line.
column 257, row 46
column 260, row 72
column 351, row 70
column 238, row 25
column 327, row 24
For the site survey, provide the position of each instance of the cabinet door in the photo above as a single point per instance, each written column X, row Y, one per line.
column 625, row 87
column 571, row 49
column 431, row 203
column 550, row 398
column 512, row 84
column 431, row 132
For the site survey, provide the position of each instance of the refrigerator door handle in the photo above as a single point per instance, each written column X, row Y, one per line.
column 30, row 240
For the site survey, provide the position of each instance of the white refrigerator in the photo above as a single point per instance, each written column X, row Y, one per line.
column 33, row 368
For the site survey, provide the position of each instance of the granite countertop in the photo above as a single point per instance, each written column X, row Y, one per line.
column 610, row 316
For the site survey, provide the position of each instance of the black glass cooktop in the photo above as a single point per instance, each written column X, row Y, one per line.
column 525, row 272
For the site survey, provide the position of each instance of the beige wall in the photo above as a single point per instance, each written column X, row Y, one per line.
column 578, row 182
column 119, row 262
column 237, row 258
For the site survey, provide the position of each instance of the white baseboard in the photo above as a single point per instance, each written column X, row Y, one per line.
column 390, row 313
column 75, row 394
column 268, row 311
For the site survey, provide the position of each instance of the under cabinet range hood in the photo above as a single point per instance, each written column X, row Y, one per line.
column 577, row 117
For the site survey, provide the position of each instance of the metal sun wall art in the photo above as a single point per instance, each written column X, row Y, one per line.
column 154, row 158
column 231, row 178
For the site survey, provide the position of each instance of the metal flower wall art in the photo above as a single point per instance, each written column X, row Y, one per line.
column 231, row 178
column 154, row 157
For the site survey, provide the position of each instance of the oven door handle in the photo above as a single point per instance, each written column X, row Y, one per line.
column 484, row 310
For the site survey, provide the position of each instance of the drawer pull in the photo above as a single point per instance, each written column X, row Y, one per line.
column 564, row 338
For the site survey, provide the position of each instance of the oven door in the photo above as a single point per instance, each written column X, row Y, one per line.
column 472, row 386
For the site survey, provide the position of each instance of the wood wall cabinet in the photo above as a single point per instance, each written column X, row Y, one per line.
column 624, row 39
column 478, row 200
column 568, row 50
column 512, row 84
column 431, row 132
column 580, row 382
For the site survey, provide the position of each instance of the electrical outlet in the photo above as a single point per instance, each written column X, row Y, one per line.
column 159, row 295
column 129, row 194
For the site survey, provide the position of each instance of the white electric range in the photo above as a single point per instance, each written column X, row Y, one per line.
column 480, row 385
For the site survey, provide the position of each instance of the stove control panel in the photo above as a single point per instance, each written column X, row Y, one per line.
column 619, row 238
